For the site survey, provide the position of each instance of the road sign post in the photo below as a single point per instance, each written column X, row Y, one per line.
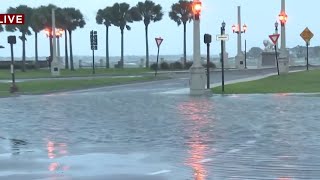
column 158, row 41
column 12, row 40
column 222, row 37
column 94, row 46
column 307, row 35
column 207, row 40
column 274, row 38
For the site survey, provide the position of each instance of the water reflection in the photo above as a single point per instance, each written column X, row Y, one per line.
column 196, row 111
column 56, row 150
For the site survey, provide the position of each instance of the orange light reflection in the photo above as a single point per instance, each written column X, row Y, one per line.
column 197, row 112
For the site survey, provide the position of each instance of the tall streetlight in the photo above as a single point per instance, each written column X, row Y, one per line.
column 55, row 70
column 237, row 29
column 283, row 57
column 197, row 71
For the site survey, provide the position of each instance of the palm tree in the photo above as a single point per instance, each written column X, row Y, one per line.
column 147, row 11
column 121, row 16
column 104, row 17
column 73, row 19
column 181, row 12
column 24, row 29
column 38, row 20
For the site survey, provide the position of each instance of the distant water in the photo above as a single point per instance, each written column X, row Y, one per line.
column 135, row 61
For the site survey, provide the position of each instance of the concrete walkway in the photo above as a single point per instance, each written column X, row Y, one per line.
column 187, row 90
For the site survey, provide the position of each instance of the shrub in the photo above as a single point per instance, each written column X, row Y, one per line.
column 164, row 65
column 188, row 64
column 153, row 66
column 211, row 65
column 176, row 65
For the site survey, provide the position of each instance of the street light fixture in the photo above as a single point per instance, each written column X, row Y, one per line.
column 283, row 17
column 49, row 34
column 196, row 8
column 276, row 24
column 237, row 29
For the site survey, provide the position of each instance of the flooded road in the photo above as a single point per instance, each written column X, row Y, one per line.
column 135, row 132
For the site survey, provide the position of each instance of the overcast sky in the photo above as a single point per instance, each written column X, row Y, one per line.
column 259, row 15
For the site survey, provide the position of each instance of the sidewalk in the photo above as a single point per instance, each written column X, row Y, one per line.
column 187, row 90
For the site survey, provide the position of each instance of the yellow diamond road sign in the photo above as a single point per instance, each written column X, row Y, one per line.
column 306, row 35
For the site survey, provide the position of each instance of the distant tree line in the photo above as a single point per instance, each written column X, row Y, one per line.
column 119, row 15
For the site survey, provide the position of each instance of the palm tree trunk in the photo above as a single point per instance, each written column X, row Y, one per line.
column 184, row 44
column 147, row 47
column 71, row 55
column 122, row 61
column 66, row 50
column 107, row 47
column 23, row 52
column 36, row 49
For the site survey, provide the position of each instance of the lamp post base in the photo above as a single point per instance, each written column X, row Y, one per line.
column 283, row 65
column 55, row 68
column 197, row 81
column 240, row 61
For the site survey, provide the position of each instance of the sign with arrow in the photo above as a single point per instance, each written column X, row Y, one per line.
column 274, row 38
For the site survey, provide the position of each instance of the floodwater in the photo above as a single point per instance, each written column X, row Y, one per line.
column 140, row 135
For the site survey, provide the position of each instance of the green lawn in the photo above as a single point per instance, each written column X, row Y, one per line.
column 45, row 73
column 47, row 86
column 298, row 82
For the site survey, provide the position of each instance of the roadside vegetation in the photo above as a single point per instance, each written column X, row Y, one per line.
column 297, row 82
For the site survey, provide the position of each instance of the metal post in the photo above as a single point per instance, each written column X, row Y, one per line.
column 222, row 57
column 93, row 66
column 307, row 56
column 208, row 64
column 13, row 87
column 157, row 61
column 275, row 48
column 245, row 54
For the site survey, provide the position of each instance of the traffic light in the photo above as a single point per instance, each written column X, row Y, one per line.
column 207, row 38
column 196, row 8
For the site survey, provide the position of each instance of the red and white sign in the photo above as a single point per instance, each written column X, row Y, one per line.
column 159, row 41
column 274, row 38
column 11, row 18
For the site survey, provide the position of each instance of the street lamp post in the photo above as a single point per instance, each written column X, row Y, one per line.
column 283, row 57
column 55, row 70
column 197, row 71
column 223, row 25
column 237, row 29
